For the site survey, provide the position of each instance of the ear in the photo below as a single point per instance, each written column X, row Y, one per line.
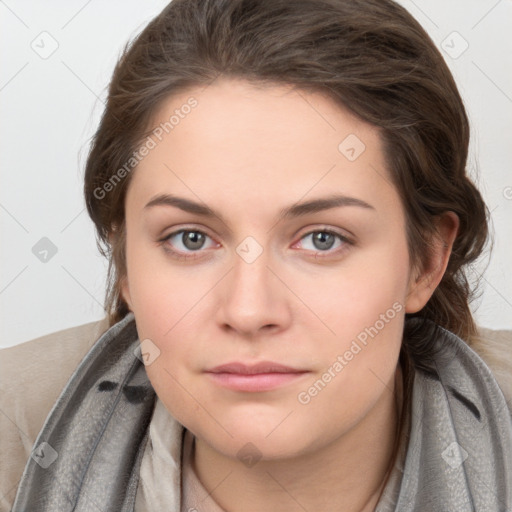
column 114, row 241
column 124, row 290
column 422, row 286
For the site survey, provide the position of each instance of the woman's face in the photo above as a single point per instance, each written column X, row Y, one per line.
column 263, row 229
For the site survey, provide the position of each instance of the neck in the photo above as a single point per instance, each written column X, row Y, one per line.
column 349, row 474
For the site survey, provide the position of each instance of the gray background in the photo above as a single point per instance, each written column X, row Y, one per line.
column 57, row 60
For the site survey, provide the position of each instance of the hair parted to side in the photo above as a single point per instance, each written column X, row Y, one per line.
column 370, row 56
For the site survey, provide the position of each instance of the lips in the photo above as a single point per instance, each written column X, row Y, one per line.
column 253, row 369
column 263, row 376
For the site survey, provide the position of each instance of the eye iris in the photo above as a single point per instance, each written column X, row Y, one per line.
column 323, row 240
column 193, row 240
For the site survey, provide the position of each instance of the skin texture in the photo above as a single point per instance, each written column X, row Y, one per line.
column 247, row 152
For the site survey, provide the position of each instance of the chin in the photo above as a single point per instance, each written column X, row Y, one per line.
column 252, row 440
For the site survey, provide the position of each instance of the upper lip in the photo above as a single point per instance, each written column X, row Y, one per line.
column 254, row 369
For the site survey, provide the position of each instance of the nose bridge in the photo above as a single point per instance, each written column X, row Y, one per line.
column 251, row 274
column 253, row 297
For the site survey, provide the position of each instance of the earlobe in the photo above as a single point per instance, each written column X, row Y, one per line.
column 422, row 286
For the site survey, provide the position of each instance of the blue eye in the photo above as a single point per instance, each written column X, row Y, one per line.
column 325, row 240
column 187, row 243
column 191, row 240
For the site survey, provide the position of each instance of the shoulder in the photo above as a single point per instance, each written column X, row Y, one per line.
column 32, row 376
column 495, row 348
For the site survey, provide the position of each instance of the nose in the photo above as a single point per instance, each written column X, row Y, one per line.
column 254, row 300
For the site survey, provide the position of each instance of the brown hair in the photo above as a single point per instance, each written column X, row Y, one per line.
column 370, row 56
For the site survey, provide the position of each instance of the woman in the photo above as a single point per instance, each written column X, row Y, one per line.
column 280, row 189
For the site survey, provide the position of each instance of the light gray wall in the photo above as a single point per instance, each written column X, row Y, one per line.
column 57, row 60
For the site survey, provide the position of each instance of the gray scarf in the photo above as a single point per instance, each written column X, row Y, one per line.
column 458, row 458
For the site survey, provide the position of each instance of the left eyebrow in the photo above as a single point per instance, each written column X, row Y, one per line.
column 296, row 210
column 322, row 203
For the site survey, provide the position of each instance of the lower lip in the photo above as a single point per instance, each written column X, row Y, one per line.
column 256, row 382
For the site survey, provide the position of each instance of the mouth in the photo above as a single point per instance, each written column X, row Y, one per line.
column 264, row 376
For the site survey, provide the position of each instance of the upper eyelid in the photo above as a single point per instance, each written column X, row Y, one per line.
column 185, row 229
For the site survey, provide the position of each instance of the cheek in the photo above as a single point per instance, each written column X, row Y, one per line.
column 168, row 306
column 371, row 283
column 162, row 293
column 364, row 308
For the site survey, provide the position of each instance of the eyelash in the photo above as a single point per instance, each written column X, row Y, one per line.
column 181, row 256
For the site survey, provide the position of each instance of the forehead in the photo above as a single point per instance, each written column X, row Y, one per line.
column 250, row 139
